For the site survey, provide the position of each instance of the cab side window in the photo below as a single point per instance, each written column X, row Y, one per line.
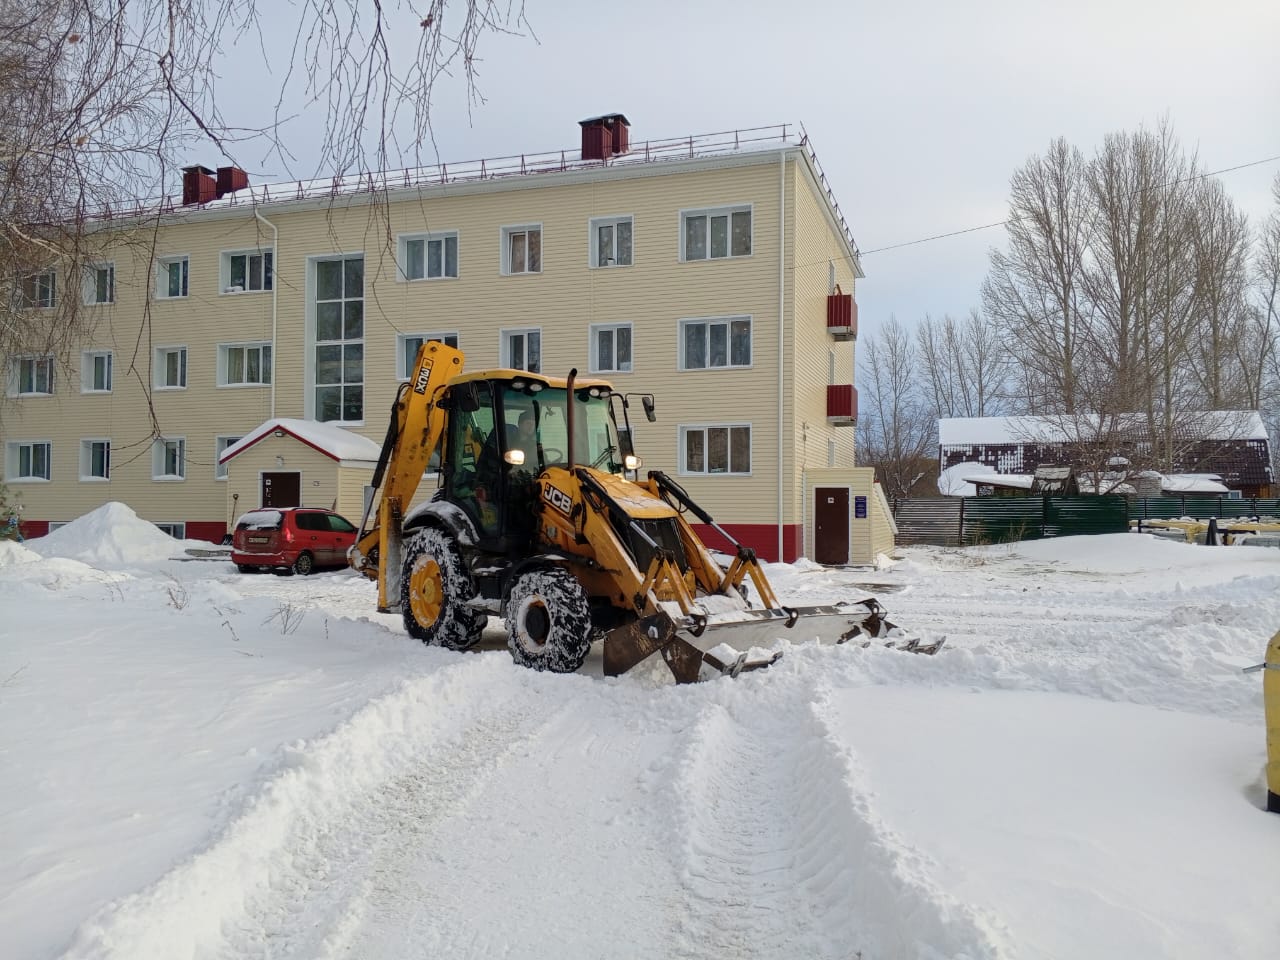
column 477, row 457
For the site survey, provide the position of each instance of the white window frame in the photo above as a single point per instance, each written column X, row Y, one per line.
column 86, row 459
column 48, row 279
column 403, row 362
column 89, row 286
column 593, row 241
column 266, row 278
column 174, row 528
column 162, row 277
column 265, row 371
column 16, row 384
column 686, row 428
column 711, row 212
column 89, row 370
column 220, row 444
column 314, row 343
column 442, row 237
column 504, row 347
column 162, row 367
column 159, row 456
column 708, row 322
column 593, row 355
column 13, row 461
column 507, row 233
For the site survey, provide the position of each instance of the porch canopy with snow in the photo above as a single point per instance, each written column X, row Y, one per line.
column 286, row 462
column 1203, row 452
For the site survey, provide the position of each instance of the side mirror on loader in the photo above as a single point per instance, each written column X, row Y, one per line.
column 468, row 397
column 647, row 402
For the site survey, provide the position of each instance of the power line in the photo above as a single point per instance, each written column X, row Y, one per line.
column 1002, row 223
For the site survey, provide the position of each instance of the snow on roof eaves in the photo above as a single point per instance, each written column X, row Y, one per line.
column 1191, row 483
column 975, row 431
column 644, row 158
column 1014, row 481
column 330, row 439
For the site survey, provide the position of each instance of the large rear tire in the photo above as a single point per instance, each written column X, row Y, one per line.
column 548, row 621
column 435, row 587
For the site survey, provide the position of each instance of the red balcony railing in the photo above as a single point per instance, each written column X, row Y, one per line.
column 842, row 404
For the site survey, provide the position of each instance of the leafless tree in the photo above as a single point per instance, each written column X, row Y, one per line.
column 1035, row 291
column 964, row 365
column 897, row 433
column 106, row 99
column 1225, row 375
column 1266, row 316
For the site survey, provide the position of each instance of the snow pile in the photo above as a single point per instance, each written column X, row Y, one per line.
column 12, row 552
column 111, row 536
column 952, row 482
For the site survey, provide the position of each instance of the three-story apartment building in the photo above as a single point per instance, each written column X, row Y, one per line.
column 715, row 272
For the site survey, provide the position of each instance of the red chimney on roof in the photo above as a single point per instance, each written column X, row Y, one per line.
column 231, row 179
column 198, row 185
column 605, row 136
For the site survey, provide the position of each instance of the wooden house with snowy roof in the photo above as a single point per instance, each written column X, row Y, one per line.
column 1230, row 445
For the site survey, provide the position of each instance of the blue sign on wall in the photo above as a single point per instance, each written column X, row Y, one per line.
column 860, row 508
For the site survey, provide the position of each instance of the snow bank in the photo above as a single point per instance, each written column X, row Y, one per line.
column 111, row 536
column 12, row 552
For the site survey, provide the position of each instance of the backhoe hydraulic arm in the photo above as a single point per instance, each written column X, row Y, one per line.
column 417, row 423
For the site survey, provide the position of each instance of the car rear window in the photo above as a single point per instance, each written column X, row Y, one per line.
column 260, row 520
column 310, row 521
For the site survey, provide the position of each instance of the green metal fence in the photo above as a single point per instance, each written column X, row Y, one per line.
column 1007, row 519
column 1168, row 508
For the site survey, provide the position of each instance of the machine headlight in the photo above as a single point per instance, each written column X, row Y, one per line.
column 632, row 462
column 514, row 457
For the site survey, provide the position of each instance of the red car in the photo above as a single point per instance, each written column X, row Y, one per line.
column 300, row 539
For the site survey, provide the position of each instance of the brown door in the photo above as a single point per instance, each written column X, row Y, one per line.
column 281, row 489
column 831, row 525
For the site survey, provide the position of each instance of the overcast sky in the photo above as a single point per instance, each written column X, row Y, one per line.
column 919, row 111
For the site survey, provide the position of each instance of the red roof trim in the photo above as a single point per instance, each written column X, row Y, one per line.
column 271, row 432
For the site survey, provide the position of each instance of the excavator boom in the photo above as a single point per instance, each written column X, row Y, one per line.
column 417, row 424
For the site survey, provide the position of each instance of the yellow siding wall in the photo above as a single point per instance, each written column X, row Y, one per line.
column 817, row 250
column 563, row 300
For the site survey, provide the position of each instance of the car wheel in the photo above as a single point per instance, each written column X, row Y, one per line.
column 305, row 564
column 245, row 568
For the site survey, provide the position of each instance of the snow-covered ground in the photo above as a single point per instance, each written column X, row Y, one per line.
column 200, row 764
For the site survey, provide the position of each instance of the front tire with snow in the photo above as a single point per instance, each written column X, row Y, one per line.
column 548, row 621
column 434, row 588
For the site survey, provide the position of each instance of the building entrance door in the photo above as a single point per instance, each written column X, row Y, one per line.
column 831, row 525
column 282, row 489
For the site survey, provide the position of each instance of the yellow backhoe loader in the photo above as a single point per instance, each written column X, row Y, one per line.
column 535, row 520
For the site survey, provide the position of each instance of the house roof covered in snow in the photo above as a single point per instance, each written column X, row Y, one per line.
column 1208, row 425
column 330, row 439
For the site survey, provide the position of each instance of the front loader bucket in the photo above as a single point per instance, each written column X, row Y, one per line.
column 631, row 643
column 730, row 643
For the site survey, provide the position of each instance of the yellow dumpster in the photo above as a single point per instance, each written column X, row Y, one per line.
column 1271, row 709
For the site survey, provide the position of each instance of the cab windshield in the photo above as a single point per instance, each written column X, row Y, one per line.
column 537, row 425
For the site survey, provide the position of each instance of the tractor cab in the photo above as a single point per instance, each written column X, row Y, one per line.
column 507, row 428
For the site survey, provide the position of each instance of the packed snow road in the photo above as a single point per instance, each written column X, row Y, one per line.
column 484, row 812
column 205, row 765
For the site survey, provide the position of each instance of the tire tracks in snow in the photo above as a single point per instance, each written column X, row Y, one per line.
column 783, row 857
column 323, row 841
